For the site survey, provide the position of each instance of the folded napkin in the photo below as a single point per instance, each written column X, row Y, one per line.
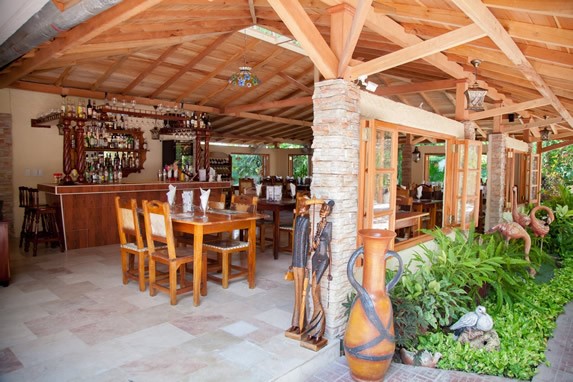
column 187, row 200
column 292, row 190
column 204, row 199
column 419, row 192
column 171, row 194
column 259, row 188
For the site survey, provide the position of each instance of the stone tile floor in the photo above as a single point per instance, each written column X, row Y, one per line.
column 67, row 317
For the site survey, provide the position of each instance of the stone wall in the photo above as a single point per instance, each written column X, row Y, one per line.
column 6, row 176
column 496, row 166
column 335, row 176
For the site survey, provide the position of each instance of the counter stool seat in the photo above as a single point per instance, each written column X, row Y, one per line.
column 42, row 226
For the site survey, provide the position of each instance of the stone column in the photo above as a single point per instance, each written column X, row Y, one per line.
column 335, row 176
column 496, row 167
column 407, row 149
column 470, row 130
column 6, row 175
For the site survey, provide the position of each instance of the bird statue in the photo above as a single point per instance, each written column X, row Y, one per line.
column 478, row 320
column 518, row 217
column 539, row 227
column 512, row 230
column 420, row 358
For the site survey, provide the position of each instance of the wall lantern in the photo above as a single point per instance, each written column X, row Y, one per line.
column 474, row 94
column 416, row 154
column 545, row 134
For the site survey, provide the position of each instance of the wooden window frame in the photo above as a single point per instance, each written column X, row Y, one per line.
column 291, row 161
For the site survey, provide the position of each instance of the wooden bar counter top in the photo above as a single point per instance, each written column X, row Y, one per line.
column 88, row 210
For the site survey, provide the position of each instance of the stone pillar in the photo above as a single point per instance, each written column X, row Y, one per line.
column 6, row 176
column 335, row 176
column 470, row 130
column 496, row 167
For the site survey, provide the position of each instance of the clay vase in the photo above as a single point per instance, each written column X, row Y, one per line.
column 369, row 342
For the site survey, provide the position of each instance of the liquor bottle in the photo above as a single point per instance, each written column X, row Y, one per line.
column 90, row 110
column 137, row 160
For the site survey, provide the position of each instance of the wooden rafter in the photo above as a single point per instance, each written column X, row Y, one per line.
column 270, row 105
column 508, row 109
column 362, row 9
column 252, row 11
column 531, row 125
column 144, row 73
column 296, row 83
column 423, row 49
column 77, row 36
column 112, row 68
column 557, row 146
column 304, row 31
column 558, row 8
column 483, row 17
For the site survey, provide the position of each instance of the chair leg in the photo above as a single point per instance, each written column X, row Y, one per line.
column 152, row 290
column 124, row 269
column 141, row 271
column 226, row 270
column 172, row 283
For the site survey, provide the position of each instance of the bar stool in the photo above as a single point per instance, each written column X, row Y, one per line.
column 46, row 216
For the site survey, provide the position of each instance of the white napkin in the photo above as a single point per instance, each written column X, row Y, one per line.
column 259, row 188
column 419, row 192
column 187, row 200
column 292, row 190
column 204, row 199
column 171, row 194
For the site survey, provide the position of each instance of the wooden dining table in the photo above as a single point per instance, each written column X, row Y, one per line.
column 216, row 221
column 427, row 205
column 285, row 204
column 409, row 219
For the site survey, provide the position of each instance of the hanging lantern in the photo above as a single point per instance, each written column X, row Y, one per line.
column 545, row 134
column 475, row 95
column 416, row 154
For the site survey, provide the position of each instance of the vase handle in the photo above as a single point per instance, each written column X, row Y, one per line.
column 350, row 269
column 397, row 276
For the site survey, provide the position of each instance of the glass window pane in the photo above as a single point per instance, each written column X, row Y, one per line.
column 459, row 211
column 382, row 192
column 381, row 222
column 473, row 157
column 383, row 149
column 472, row 184
column 460, row 184
column 461, row 156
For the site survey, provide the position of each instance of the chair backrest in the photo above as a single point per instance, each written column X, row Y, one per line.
column 158, row 226
column 23, row 196
column 404, row 203
column 245, row 203
column 402, row 192
column 128, row 222
column 218, row 201
column 33, row 197
column 246, row 186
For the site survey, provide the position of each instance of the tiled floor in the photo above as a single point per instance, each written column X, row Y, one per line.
column 67, row 317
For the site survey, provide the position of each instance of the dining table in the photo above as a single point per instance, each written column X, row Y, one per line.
column 276, row 206
column 430, row 206
column 213, row 221
column 409, row 219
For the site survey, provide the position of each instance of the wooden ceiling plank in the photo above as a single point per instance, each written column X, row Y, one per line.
column 483, row 17
column 78, row 36
column 270, row 118
column 221, row 39
column 546, row 122
column 362, row 9
column 417, row 87
column 110, row 70
column 304, row 31
column 430, row 103
column 296, row 83
column 150, row 68
column 423, row 49
column 269, row 105
column 559, row 8
column 508, row 109
column 64, row 75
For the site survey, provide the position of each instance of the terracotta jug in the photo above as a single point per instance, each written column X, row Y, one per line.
column 369, row 339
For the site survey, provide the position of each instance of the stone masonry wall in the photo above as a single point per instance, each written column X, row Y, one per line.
column 335, row 176
column 496, row 164
column 6, row 188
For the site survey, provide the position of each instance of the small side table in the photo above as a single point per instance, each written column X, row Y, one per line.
column 4, row 255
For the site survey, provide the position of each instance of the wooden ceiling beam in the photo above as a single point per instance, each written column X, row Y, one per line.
column 194, row 61
column 269, row 105
column 296, row 83
column 363, row 7
column 151, row 67
column 270, row 118
column 558, row 8
column 483, row 17
column 516, row 128
column 508, row 109
column 76, row 37
column 414, row 52
column 557, row 146
column 417, row 87
column 304, row 31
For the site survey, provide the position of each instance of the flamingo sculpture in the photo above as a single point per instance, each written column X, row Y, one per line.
column 512, row 230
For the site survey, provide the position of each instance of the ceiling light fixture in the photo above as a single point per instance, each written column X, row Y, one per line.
column 244, row 78
column 416, row 154
column 545, row 134
column 369, row 85
column 474, row 94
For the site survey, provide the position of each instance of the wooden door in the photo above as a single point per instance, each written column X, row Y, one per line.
column 466, row 190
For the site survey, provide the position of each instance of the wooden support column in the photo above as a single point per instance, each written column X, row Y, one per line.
column 461, row 103
column 407, row 161
column 335, row 176
column 340, row 22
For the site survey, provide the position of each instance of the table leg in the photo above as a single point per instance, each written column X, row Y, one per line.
column 198, row 265
column 276, row 233
column 252, row 255
column 432, row 211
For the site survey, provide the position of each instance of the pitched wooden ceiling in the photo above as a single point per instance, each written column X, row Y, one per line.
column 418, row 51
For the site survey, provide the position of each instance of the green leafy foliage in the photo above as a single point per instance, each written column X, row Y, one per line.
column 523, row 332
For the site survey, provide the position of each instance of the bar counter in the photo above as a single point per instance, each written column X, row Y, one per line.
column 88, row 211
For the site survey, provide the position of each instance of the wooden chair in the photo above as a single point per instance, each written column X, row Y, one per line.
column 42, row 225
column 158, row 228
column 404, row 203
column 225, row 248
column 247, row 186
column 131, row 243
column 301, row 196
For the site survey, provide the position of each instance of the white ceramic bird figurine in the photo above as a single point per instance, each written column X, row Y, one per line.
column 478, row 320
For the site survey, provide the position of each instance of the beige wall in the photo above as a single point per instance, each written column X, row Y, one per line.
column 38, row 151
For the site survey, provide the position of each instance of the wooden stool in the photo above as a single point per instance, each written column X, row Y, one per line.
column 46, row 217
